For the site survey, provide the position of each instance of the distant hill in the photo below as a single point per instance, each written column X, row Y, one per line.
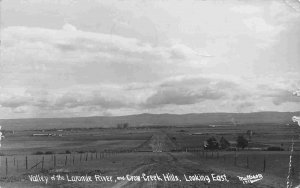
column 150, row 120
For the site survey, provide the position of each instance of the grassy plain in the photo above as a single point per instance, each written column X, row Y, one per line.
column 119, row 152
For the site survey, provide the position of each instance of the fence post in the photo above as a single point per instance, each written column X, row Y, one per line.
column 264, row 163
column 86, row 157
column 247, row 162
column 66, row 160
column 54, row 160
column 80, row 157
column 17, row 165
column 14, row 161
column 43, row 159
column 26, row 162
column 235, row 159
column 6, row 166
column 73, row 159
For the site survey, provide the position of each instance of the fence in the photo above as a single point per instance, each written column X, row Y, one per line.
column 260, row 162
column 16, row 164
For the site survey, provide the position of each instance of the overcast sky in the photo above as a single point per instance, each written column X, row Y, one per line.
column 64, row 58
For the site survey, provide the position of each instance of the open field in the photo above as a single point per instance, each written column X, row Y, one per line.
column 134, row 151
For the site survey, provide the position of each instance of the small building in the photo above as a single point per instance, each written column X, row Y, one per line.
column 41, row 134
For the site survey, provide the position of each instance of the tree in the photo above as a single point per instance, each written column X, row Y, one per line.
column 241, row 142
column 122, row 125
column 224, row 144
column 212, row 143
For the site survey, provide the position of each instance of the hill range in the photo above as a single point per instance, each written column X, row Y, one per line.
column 144, row 120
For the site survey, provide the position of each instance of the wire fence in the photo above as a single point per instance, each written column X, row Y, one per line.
column 18, row 164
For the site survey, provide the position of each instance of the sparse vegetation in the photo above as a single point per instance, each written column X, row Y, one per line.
column 48, row 153
column 224, row 144
column 275, row 148
column 38, row 153
column 212, row 143
column 242, row 142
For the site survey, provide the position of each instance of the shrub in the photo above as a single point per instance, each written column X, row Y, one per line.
column 242, row 142
column 275, row 148
column 68, row 152
column 224, row 144
column 212, row 143
column 48, row 152
column 38, row 153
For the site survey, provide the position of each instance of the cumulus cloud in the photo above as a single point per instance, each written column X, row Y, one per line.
column 67, row 98
column 280, row 96
column 184, row 90
column 180, row 97
column 94, row 98
column 73, row 56
column 130, row 61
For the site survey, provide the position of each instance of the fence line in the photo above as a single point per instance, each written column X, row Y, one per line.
column 23, row 163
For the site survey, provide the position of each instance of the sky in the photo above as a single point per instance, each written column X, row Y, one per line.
column 75, row 58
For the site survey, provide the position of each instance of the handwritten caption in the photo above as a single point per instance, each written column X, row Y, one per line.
column 137, row 178
column 168, row 177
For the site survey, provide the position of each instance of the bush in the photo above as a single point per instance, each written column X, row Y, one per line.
column 242, row 142
column 38, row 153
column 68, row 152
column 48, row 153
column 224, row 144
column 212, row 143
column 275, row 148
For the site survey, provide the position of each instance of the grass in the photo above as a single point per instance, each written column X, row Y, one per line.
column 77, row 144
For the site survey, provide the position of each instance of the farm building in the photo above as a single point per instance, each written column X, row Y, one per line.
column 41, row 134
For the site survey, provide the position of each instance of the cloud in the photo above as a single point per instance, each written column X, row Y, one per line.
column 245, row 106
column 67, row 98
column 94, row 98
column 185, row 93
column 180, row 97
column 283, row 96
column 34, row 56
column 259, row 25
column 184, row 90
column 246, row 9
column 209, row 57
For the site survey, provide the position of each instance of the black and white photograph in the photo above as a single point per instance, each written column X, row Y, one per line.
column 149, row 93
